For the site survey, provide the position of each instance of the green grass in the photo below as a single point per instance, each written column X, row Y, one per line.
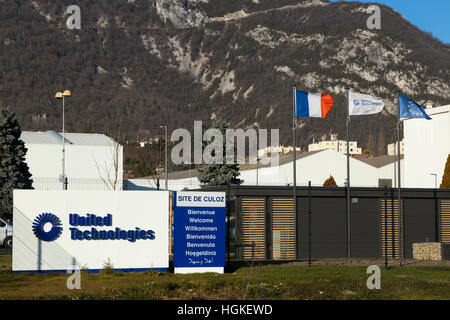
column 5, row 262
column 267, row 282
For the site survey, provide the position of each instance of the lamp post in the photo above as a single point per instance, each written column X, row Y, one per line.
column 165, row 165
column 435, row 179
column 62, row 95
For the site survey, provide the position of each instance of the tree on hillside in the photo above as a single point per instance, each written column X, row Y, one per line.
column 445, row 184
column 381, row 148
column 371, row 144
column 330, row 182
column 220, row 174
column 14, row 172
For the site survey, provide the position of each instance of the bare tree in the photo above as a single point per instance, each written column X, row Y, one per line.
column 153, row 161
column 109, row 171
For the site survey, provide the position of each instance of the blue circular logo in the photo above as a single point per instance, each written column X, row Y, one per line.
column 39, row 223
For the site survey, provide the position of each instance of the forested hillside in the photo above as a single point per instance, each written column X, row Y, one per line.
column 171, row 62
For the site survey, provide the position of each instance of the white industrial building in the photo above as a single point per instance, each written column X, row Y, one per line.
column 427, row 146
column 315, row 166
column 92, row 161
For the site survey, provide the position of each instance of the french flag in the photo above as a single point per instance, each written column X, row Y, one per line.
column 312, row 104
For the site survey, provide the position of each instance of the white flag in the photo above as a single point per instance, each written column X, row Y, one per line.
column 362, row 104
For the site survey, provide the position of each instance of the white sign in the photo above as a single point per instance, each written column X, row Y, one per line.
column 200, row 199
column 199, row 229
column 56, row 230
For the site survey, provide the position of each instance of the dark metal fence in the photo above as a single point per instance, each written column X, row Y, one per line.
column 375, row 224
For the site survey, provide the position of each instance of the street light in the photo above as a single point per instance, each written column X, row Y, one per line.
column 435, row 179
column 165, row 165
column 62, row 95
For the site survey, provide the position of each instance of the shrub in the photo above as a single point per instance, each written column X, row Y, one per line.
column 445, row 184
column 330, row 182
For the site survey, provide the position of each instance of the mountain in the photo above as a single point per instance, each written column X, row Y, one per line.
column 137, row 63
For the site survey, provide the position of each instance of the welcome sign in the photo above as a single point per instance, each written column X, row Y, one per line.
column 199, row 232
column 63, row 230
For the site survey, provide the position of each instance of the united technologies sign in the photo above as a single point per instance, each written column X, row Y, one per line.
column 40, row 225
column 93, row 233
column 54, row 229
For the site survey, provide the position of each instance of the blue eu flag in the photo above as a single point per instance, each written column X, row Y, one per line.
column 408, row 109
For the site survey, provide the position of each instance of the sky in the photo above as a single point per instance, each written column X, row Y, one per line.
column 428, row 15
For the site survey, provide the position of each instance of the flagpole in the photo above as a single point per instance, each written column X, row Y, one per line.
column 400, row 207
column 294, row 126
column 348, row 179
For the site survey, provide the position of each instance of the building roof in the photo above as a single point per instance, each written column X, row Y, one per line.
column 285, row 158
column 52, row 137
column 382, row 161
column 376, row 162
column 192, row 173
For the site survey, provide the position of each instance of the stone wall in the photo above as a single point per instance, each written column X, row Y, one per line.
column 427, row 251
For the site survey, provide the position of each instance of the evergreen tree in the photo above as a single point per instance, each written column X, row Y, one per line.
column 14, row 173
column 219, row 174
column 330, row 182
column 445, row 184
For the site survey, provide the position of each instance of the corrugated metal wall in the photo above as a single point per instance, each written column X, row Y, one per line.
column 445, row 228
column 253, row 224
column 282, row 227
column 390, row 228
